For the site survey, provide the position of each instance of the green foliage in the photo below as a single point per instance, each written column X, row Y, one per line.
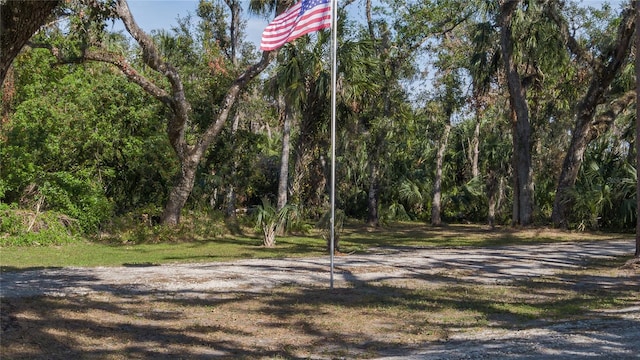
column 466, row 202
column 324, row 225
column 83, row 140
column 394, row 212
column 52, row 236
column 80, row 140
column 271, row 220
column 605, row 192
column 77, row 196
column 27, row 228
column 10, row 222
column 142, row 226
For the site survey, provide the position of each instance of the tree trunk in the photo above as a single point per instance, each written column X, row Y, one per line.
column 231, row 193
column 475, row 147
column 180, row 192
column 283, row 181
column 376, row 142
column 586, row 129
column 515, row 209
column 269, row 235
column 299, row 173
column 309, row 180
column 436, row 203
column 234, row 29
column 495, row 190
column 492, row 195
column 188, row 155
column 308, row 184
column 569, row 173
column 373, row 218
column 524, row 168
column 522, row 135
column 637, row 17
column 19, row 21
column 607, row 68
column 501, row 193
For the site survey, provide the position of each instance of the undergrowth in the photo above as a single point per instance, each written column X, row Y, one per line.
column 19, row 227
column 143, row 227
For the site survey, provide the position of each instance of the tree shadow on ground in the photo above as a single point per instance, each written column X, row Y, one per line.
column 411, row 234
column 419, row 313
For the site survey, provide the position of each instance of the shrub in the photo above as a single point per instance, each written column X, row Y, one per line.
column 19, row 227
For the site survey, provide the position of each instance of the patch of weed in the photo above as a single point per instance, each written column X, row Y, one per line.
column 27, row 228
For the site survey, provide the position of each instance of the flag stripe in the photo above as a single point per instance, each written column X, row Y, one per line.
column 284, row 25
column 306, row 25
column 295, row 22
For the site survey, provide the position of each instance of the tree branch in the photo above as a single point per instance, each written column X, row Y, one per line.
column 132, row 74
column 179, row 105
column 603, row 121
column 232, row 94
column 614, row 58
column 111, row 58
column 625, row 31
column 620, row 48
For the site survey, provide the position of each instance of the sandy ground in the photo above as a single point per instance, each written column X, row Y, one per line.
column 613, row 333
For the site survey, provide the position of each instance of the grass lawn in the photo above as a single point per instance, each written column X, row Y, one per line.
column 226, row 247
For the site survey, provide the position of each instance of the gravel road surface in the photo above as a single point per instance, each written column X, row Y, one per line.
column 613, row 334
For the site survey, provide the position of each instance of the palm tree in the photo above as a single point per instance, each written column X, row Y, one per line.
column 603, row 196
column 301, row 88
column 272, row 220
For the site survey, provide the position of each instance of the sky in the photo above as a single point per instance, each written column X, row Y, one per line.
column 162, row 14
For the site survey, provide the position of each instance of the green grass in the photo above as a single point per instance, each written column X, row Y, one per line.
column 99, row 254
column 197, row 244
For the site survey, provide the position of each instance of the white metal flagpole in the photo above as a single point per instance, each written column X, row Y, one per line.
column 334, row 70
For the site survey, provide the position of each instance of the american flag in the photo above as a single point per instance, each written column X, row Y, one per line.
column 304, row 17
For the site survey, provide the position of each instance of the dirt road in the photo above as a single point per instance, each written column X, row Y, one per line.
column 613, row 333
